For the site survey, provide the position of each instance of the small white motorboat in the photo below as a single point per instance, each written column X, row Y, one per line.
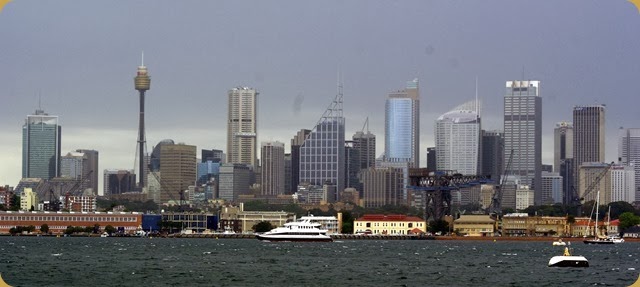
column 568, row 260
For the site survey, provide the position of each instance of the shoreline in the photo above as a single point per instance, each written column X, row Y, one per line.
column 342, row 237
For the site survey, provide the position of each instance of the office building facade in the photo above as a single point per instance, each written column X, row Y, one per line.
column 178, row 171
column 365, row 144
column 629, row 153
column 457, row 137
column 272, row 172
column 118, row 181
column 492, row 154
column 523, row 133
column 322, row 154
column 562, row 143
column 588, row 137
column 41, row 140
column 402, row 125
column 296, row 142
column 242, row 126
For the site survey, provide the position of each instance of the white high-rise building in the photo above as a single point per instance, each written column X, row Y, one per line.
column 629, row 153
column 272, row 168
column 242, row 126
column 623, row 183
column 457, row 135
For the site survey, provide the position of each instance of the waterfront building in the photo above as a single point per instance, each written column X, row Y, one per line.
column 492, row 155
column 330, row 223
column 562, row 144
column 392, row 224
column 402, row 125
column 521, row 224
column 588, row 137
column 236, row 219
column 552, row 187
column 457, row 137
column 272, row 172
column 523, row 133
column 118, row 181
column 474, row 225
column 296, row 142
column 623, row 183
column 80, row 203
column 178, row 169
column 91, row 169
column 382, row 186
column 59, row 221
column 41, row 140
column 629, row 153
column 242, row 126
column 322, row 154
column 235, row 180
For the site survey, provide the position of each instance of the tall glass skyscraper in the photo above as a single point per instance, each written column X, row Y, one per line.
column 523, row 134
column 588, row 138
column 322, row 153
column 402, row 125
column 457, row 136
column 41, row 136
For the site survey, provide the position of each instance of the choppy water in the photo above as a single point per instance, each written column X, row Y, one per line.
column 29, row 261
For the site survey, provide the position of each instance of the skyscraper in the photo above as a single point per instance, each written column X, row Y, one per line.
column 118, row 181
column 382, row 186
column 352, row 166
column 142, row 82
column 629, row 153
column 296, row 143
column 402, row 125
column 457, row 137
column 214, row 155
column 492, row 154
column 588, row 137
column 272, row 168
column 562, row 144
column 91, row 168
column 322, row 153
column 177, row 171
column 41, row 138
column 623, row 184
column 242, row 126
column 431, row 159
column 523, row 133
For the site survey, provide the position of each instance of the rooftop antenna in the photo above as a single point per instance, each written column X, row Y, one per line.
column 366, row 124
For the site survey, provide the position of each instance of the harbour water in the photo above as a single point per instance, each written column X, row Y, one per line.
column 50, row 261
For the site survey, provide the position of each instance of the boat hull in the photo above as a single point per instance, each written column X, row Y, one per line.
column 595, row 241
column 274, row 238
column 568, row 261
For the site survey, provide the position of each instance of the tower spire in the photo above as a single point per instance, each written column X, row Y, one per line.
column 142, row 61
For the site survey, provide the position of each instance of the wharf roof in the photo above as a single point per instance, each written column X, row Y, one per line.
column 389, row 217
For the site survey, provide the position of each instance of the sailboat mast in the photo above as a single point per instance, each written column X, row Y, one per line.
column 595, row 232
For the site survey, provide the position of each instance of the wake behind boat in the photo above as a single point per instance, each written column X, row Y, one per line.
column 302, row 230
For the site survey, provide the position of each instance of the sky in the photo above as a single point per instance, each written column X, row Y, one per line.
column 77, row 59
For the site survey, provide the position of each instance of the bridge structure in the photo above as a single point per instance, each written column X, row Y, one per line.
column 437, row 186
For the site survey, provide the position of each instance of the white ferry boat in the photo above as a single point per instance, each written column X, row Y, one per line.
column 302, row 230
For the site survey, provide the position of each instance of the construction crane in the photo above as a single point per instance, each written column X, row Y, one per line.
column 495, row 208
column 577, row 199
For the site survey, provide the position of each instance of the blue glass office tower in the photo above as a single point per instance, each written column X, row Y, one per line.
column 402, row 125
column 322, row 153
column 41, row 146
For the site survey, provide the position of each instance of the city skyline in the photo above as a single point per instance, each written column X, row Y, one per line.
column 580, row 61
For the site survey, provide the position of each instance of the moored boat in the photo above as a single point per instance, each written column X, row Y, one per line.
column 302, row 230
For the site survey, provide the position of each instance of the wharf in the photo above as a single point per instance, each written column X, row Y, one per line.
column 334, row 236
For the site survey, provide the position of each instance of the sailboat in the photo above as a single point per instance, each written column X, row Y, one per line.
column 597, row 239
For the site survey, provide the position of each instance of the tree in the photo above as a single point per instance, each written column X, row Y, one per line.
column 262, row 226
column 109, row 229
column 96, row 228
column 44, row 228
column 628, row 219
column 438, row 226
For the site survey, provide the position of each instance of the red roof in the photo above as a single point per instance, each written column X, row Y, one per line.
column 389, row 217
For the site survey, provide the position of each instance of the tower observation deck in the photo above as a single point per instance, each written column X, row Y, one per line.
column 142, row 83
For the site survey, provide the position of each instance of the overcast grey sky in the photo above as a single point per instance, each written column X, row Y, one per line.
column 81, row 56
